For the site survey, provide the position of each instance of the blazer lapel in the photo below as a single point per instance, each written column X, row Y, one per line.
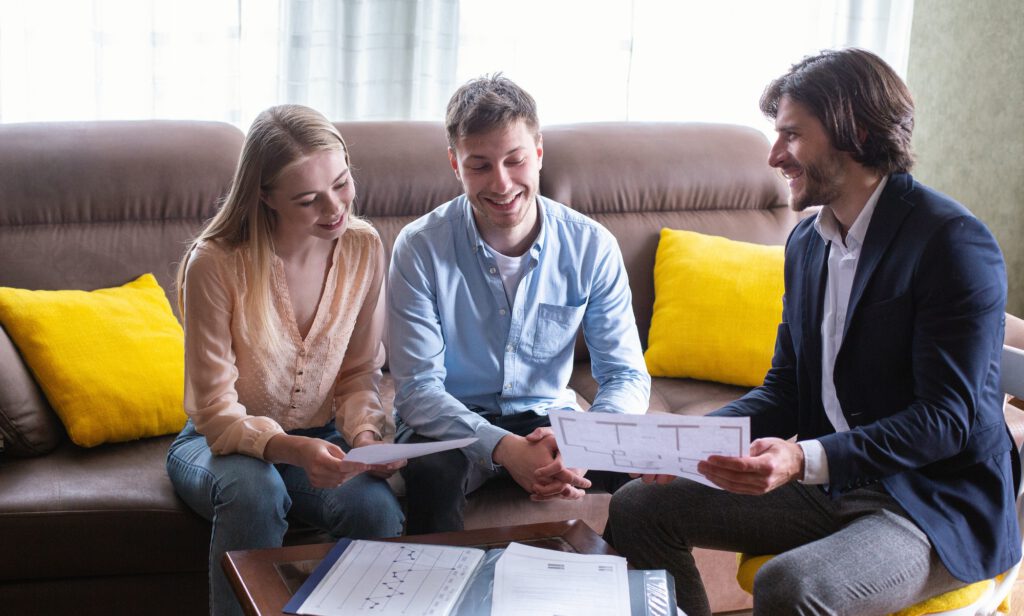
column 890, row 211
column 815, row 268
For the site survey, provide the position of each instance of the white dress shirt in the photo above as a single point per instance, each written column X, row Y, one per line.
column 843, row 257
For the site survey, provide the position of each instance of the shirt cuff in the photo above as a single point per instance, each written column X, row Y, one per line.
column 815, row 463
column 482, row 451
column 367, row 427
column 260, row 444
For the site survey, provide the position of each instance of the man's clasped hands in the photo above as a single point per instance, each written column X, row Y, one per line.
column 535, row 463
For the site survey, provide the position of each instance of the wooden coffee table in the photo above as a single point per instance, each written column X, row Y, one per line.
column 264, row 580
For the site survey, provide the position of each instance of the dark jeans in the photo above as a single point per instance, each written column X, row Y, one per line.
column 436, row 485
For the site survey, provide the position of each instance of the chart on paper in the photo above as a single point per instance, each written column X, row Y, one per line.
column 651, row 444
column 386, row 579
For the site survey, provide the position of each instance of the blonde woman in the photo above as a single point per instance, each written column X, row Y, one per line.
column 283, row 306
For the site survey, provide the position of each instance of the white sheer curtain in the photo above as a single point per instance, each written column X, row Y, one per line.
column 131, row 59
column 592, row 60
column 371, row 59
column 225, row 59
column 584, row 60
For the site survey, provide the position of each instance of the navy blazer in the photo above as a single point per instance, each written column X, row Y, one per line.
column 917, row 374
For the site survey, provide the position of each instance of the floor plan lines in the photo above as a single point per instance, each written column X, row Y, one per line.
column 656, row 443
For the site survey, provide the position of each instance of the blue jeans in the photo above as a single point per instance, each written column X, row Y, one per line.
column 247, row 501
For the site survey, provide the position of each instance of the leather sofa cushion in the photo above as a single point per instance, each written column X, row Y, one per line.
column 97, row 512
column 28, row 426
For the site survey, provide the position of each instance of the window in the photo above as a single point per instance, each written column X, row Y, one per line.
column 583, row 60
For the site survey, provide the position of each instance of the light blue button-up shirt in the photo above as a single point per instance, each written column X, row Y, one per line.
column 458, row 349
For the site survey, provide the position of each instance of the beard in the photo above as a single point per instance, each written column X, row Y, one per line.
column 822, row 182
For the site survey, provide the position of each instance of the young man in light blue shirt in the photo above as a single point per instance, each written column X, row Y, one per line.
column 486, row 295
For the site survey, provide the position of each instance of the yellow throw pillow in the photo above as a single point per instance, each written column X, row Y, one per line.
column 717, row 308
column 111, row 361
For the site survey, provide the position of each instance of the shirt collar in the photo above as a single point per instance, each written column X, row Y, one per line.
column 827, row 225
column 477, row 241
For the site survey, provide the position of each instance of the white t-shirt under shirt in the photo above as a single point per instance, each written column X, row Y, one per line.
column 512, row 270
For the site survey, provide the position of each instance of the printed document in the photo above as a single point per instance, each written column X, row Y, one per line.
column 391, row 452
column 656, row 443
column 392, row 579
column 532, row 581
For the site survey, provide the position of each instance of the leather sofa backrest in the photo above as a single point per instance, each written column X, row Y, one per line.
column 94, row 204
column 86, row 205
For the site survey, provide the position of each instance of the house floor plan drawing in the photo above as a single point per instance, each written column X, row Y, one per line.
column 651, row 444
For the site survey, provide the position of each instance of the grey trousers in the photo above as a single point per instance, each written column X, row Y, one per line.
column 859, row 554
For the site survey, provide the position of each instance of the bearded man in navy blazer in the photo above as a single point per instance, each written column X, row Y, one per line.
column 900, row 483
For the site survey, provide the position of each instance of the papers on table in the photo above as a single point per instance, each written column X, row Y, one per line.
column 387, row 579
column 656, row 443
column 391, row 452
column 532, row 581
column 373, row 577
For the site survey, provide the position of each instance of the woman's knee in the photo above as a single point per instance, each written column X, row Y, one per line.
column 365, row 507
column 252, row 487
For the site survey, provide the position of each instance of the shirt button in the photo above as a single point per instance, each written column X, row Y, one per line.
column 508, row 385
column 299, row 372
column 502, row 312
column 297, row 390
column 302, row 353
column 510, row 348
column 294, row 407
column 492, row 270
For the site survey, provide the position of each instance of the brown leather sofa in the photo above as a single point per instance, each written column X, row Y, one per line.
column 90, row 205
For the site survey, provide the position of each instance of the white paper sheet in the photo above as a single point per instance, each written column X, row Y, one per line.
column 390, row 452
column 656, row 443
column 532, row 581
column 393, row 579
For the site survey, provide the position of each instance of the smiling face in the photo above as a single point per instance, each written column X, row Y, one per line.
column 312, row 198
column 500, row 172
column 803, row 153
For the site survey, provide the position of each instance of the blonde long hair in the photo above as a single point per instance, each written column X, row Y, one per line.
column 277, row 138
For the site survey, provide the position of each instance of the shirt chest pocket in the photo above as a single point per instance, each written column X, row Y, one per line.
column 556, row 329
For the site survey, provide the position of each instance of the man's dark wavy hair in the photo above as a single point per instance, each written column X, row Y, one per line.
column 865, row 107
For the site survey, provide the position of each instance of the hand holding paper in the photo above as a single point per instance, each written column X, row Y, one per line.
column 391, row 452
column 654, row 444
column 773, row 462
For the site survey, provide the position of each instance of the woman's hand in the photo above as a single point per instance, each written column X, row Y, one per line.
column 383, row 471
column 324, row 462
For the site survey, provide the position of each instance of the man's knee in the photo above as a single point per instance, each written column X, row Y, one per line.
column 782, row 588
column 437, row 469
column 631, row 509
